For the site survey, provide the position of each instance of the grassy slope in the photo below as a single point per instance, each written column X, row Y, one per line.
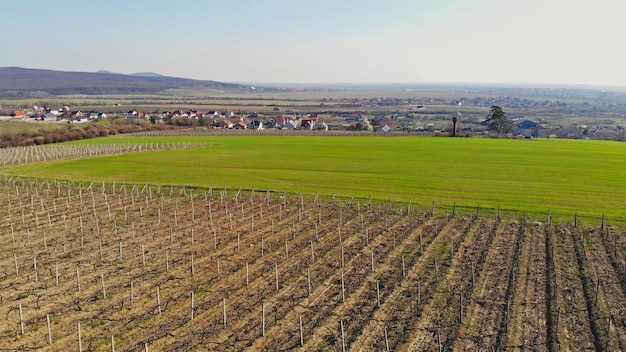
column 565, row 176
column 15, row 127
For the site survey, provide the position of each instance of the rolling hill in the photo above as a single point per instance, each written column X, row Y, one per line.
column 21, row 82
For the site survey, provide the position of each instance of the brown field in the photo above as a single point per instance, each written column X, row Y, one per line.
column 170, row 269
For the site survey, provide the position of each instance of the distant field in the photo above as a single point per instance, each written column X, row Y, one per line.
column 13, row 127
column 564, row 176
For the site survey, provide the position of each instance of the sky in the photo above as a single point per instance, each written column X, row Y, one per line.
column 324, row 41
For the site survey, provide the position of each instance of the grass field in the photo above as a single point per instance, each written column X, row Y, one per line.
column 28, row 126
column 564, row 176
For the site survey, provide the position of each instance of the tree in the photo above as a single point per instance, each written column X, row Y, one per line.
column 498, row 121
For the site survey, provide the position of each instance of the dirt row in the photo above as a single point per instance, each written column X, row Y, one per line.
column 528, row 320
column 489, row 305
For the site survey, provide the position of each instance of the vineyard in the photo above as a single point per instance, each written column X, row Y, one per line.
column 35, row 154
column 120, row 267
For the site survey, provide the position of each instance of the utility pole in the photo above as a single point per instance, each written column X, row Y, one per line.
column 454, row 121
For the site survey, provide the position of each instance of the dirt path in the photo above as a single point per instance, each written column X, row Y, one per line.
column 528, row 329
column 574, row 330
column 486, row 312
column 413, row 294
column 362, row 299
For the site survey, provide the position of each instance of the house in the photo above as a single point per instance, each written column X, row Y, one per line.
column 77, row 114
column 79, row 119
column 290, row 125
column 321, row 126
column 256, row 125
column 56, row 110
column 528, row 128
column 49, row 117
column 240, row 125
column 225, row 124
column 194, row 114
column 307, row 124
column 605, row 132
column 386, row 122
column 18, row 114
column 136, row 115
column 569, row 132
column 279, row 122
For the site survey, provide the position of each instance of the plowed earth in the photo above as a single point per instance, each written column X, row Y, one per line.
column 170, row 269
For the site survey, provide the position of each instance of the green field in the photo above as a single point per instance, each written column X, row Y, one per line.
column 564, row 176
column 16, row 127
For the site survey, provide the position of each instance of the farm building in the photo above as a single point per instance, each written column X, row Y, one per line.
column 528, row 128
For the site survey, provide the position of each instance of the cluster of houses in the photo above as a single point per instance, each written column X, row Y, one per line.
column 57, row 113
column 290, row 120
column 230, row 120
column 532, row 129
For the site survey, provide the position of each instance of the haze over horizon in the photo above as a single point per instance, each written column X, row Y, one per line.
column 324, row 41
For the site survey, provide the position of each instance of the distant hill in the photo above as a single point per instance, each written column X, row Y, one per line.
column 138, row 74
column 146, row 74
column 17, row 82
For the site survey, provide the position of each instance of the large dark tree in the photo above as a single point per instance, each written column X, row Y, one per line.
column 498, row 121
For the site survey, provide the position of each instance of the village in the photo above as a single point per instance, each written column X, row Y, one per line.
column 380, row 115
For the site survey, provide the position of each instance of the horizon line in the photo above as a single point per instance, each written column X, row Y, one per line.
column 353, row 83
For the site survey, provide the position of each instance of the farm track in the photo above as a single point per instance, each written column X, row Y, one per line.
column 437, row 326
column 527, row 328
column 562, row 286
column 232, row 285
column 356, row 274
column 224, row 283
column 367, row 287
column 615, row 245
column 572, row 296
column 288, row 295
column 609, row 307
column 393, row 320
column 488, row 310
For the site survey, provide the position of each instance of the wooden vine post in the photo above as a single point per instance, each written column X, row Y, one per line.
column 49, row 330
column 80, row 340
column 21, row 319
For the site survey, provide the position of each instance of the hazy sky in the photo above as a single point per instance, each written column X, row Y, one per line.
column 510, row 41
